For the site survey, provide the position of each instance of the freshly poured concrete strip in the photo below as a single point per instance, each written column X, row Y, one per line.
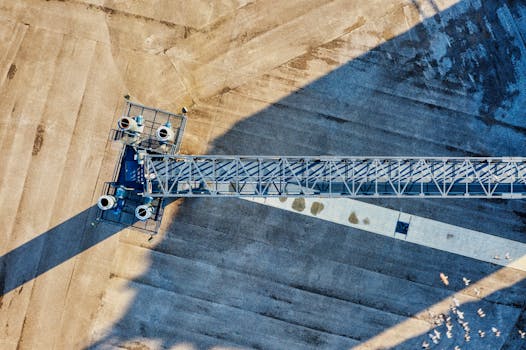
column 426, row 232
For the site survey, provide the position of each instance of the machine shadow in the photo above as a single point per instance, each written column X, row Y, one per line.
column 233, row 273
column 52, row 248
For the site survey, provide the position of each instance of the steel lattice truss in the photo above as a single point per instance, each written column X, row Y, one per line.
column 238, row 176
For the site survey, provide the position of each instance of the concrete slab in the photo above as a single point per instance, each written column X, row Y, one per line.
column 439, row 77
column 423, row 231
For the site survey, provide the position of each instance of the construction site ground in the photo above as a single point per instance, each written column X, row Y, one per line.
column 293, row 77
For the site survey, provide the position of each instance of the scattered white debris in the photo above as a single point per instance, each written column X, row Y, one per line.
column 466, row 281
column 438, row 320
column 464, row 325
column 481, row 313
column 456, row 302
column 437, row 334
column 444, row 278
column 433, row 338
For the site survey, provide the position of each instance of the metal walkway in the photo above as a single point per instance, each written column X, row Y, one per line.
column 238, row 176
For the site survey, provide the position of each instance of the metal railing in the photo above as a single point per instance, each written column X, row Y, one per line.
column 153, row 119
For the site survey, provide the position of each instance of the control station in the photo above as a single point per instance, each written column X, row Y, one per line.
column 143, row 131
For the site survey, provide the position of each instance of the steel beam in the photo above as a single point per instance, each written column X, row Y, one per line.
column 353, row 177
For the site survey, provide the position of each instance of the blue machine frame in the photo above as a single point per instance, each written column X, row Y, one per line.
column 127, row 185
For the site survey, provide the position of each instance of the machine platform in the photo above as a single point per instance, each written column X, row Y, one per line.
column 143, row 131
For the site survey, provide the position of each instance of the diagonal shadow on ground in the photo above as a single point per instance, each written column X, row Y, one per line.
column 52, row 248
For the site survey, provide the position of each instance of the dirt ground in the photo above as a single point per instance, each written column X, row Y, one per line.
column 295, row 77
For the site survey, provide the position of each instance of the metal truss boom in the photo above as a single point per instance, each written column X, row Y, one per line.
column 353, row 177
